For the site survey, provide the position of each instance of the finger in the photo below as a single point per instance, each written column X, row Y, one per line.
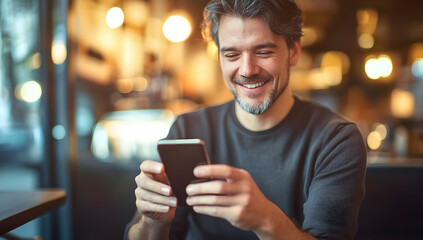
column 219, row 171
column 212, row 200
column 152, row 167
column 145, row 206
column 213, row 187
column 146, row 182
column 152, row 197
column 215, row 211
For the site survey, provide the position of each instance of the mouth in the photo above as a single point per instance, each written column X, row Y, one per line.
column 253, row 85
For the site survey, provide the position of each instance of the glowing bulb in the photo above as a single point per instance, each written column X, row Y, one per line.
column 176, row 28
column 114, row 17
column 58, row 52
column 30, row 91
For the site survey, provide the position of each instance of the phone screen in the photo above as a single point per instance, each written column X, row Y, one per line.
column 180, row 157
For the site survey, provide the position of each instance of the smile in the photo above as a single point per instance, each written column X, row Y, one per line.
column 254, row 85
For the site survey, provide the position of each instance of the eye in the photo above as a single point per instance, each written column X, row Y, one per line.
column 264, row 53
column 231, row 55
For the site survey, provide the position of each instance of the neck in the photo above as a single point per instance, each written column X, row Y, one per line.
column 268, row 119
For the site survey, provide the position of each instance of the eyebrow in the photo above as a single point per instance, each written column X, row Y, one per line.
column 258, row 46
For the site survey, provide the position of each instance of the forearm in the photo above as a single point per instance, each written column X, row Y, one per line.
column 146, row 228
column 277, row 226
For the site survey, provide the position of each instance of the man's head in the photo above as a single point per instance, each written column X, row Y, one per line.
column 258, row 41
column 283, row 17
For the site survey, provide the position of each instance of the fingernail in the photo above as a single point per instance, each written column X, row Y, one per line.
column 198, row 171
column 190, row 189
column 165, row 190
column 164, row 208
column 158, row 169
column 173, row 202
column 189, row 201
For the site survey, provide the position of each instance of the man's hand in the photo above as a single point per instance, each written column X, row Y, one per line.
column 238, row 199
column 154, row 198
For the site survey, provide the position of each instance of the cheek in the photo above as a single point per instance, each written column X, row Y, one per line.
column 229, row 69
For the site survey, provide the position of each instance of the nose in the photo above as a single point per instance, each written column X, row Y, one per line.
column 248, row 66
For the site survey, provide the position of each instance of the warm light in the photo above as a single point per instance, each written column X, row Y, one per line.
column 35, row 61
column 140, row 84
column 212, row 50
column 58, row 52
column 30, row 91
column 379, row 67
column 374, row 140
column 402, row 103
column 382, row 130
column 125, row 85
column 114, row 17
column 332, row 76
column 310, row 36
column 366, row 41
column 176, row 28
column 417, row 68
column 385, row 64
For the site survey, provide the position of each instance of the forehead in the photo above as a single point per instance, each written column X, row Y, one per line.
column 237, row 31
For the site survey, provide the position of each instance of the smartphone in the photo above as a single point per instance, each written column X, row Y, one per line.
column 180, row 157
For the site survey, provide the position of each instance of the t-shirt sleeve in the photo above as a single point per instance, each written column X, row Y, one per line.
column 337, row 188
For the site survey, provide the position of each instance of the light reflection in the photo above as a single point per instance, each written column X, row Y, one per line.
column 58, row 52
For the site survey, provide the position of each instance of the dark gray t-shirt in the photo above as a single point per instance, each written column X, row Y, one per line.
column 312, row 165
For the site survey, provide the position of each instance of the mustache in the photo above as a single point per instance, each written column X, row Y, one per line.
column 252, row 79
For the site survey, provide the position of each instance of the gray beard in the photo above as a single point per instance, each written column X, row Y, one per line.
column 266, row 103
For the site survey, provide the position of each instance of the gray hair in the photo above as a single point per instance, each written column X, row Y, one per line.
column 282, row 16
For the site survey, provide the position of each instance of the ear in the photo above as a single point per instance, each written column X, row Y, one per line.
column 294, row 53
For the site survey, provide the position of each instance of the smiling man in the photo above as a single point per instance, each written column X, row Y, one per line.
column 288, row 168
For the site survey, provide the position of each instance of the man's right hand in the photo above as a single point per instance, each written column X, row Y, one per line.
column 154, row 198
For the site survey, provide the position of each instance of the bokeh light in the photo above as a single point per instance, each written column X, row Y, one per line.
column 58, row 52
column 176, row 28
column 115, row 17
column 417, row 68
column 29, row 91
column 402, row 103
column 58, row 132
column 376, row 68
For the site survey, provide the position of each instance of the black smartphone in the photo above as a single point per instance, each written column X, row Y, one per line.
column 180, row 157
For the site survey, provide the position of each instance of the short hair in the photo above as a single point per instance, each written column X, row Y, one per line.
column 283, row 17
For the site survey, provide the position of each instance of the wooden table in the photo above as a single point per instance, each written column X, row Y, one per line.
column 20, row 207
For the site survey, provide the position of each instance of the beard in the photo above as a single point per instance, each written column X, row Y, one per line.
column 268, row 101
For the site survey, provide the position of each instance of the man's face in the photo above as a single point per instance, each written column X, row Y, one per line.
column 255, row 62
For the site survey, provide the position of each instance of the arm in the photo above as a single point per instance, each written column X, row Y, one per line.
column 239, row 201
column 155, row 204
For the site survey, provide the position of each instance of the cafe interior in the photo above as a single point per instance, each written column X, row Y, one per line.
column 87, row 87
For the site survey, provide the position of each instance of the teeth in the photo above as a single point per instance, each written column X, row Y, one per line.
column 255, row 85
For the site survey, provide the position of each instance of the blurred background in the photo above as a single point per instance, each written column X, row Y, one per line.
column 87, row 87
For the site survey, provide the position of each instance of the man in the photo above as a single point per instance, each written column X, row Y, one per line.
column 291, row 168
